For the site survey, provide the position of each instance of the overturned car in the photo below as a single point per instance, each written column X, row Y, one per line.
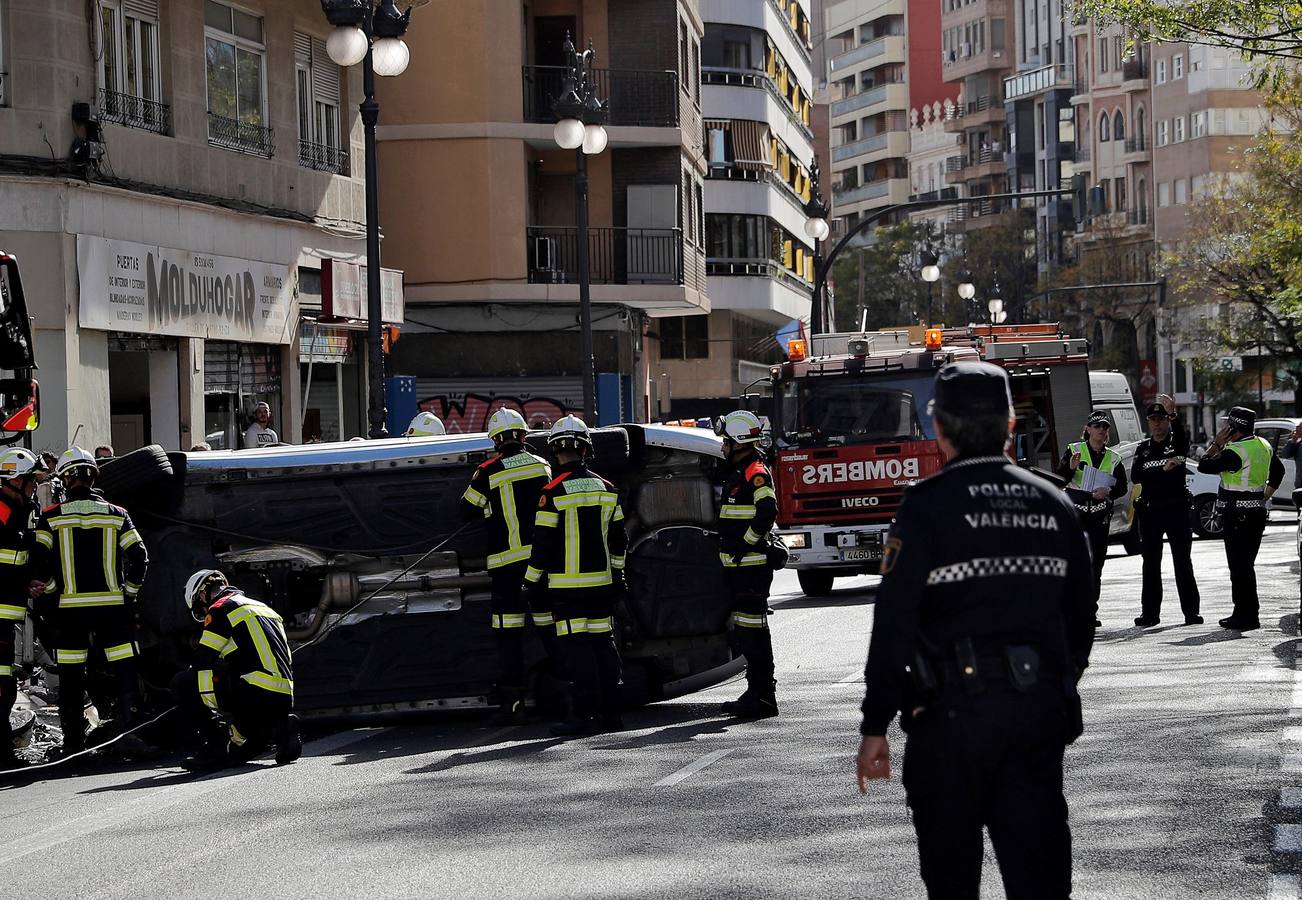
column 384, row 592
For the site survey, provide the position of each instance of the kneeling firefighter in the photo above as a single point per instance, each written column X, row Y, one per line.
column 239, row 694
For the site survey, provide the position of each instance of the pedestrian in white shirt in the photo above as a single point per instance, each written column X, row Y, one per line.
column 260, row 434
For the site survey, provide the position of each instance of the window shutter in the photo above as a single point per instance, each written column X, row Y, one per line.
column 325, row 74
column 141, row 9
column 302, row 50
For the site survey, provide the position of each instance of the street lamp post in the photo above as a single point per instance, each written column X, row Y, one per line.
column 966, row 289
column 816, row 227
column 930, row 274
column 580, row 126
column 370, row 34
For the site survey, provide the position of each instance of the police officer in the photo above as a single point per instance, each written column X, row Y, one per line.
column 748, row 511
column 982, row 627
column 18, row 469
column 504, row 491
column 1163, row 509
column 91, row 552
column 239, row 694
column 425, row 424
column 1084, row 462
column 576, row 570
column 1250, row 475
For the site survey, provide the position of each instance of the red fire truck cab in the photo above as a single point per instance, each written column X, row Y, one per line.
column 851, row 429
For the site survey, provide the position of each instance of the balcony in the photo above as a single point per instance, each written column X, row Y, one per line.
column 892, row 44
column 1134, row 69
column 243, row 137
column 1136, row 146
column 1083, row 154
column 885, row 96
column 1136, row 216
column 859, row 148
column 1038, row 81
column 637, row 98
column 322, row 157
column 719, row 76
column 134, row 112
column 982, row 164
column 897, row 188
column 986, row 110
column 615, row 255
column 887, row 145
column 796, row 38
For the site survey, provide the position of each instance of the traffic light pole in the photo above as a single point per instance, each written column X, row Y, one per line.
column 820, row 275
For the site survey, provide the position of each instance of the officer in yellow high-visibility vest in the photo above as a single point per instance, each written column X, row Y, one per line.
column 1250, row 473
column 1087, row 489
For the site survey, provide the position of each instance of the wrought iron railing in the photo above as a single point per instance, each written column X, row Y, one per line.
column 323, row 157
column 637, row 97
column 1135, row 67
column 1137, row 144
column 615, row 255
column 135, row 112
column 1083, row 154
column 246, row 137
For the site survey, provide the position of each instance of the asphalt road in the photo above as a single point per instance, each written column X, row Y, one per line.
column 1187, row 783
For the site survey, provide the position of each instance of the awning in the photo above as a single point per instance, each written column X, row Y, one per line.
column 750, row 145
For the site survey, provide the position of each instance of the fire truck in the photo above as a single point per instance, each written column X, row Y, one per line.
column 851, row 430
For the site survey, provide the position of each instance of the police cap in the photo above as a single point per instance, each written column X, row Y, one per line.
column 1242, row 419
column 1157, row 411
column 1098, row 417
column 972, row 387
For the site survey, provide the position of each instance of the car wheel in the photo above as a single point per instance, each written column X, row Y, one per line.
column 1131, row 541
column 815, row 583
column 130, row 475
column 1206, row 518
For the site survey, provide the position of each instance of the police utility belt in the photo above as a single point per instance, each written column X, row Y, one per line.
column 1018, row 665
column 1249, row 499
column 1086, row 503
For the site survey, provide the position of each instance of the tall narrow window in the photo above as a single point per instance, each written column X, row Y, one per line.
column 317, row 81
column 235, row 63
column 128, row 62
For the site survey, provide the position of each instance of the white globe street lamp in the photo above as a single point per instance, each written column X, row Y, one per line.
column 996, row 306
column 347, row 45
column 569, row 134
column 817, row 228
column 594, row 139
column 390, row 56
column 966, row 289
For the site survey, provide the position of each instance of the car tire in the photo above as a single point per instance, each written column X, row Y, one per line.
column 814, row 582
column 1131, row 541
column 1206, row 521
column 136, row 472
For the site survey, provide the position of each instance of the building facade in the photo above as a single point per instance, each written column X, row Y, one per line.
column 174, row 174
column 479, row 205
column 931, row 145
column 882, row 62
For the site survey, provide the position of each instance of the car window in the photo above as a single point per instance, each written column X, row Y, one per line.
column 1273, row 436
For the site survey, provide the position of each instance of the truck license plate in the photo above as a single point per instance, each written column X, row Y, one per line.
column 862, row 553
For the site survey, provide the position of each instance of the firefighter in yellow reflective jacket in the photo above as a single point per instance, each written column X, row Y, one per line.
column 749, row 510
column 17, row 486
column 576, row 570
column 92, row 558
column 504, row 491
column 239, row 694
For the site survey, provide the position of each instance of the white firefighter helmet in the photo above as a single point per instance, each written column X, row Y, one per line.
column 569, row 433
column 17, row 462
column 740, row 426
column 426, row 424
column 76, row 458
column 505, row 420
column 197, row 588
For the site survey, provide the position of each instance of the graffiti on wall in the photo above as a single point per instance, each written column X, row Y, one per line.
column 469, row 413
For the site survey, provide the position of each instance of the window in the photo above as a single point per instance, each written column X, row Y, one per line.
column 736, row 54
column 1198, row 186
column 128, row 68
column 699, row 224
column 1103, row 54
column 1178, row 123
column 1118, row 126
column 1161, row 71
column 1198, row 124
column 1177, row 67
column 3, row 76
column 316, row 79
column 1162, row 129
column 1181, row 191
column 1104, row 128
column 235, row 62
column 1164, row 193
column 1197, row 55
column 685, row 337
column 1120, row 193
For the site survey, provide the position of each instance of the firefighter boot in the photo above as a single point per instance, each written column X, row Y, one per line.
column 211, row 756
column 289, row 744
column 573, row 722
column 759, row 701
column 510, row 708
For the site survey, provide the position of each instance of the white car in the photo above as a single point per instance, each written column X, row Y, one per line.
column 1202, row 489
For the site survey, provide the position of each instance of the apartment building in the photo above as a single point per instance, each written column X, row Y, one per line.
column 931, row 145
column 175, row 174
column 480, row 211
column 978, row 44
column 883, row 60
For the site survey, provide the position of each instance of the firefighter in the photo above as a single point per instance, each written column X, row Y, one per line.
column 749, row 510
column 1250, row 474
column 1163, row 509
column 576, row 570
column 96, row 561
column 239, row 694
column 1094, row 505
column 504, row 491
column 981, row 630
column 425, row 424
column 18, row 468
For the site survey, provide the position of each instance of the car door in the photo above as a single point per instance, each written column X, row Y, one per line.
column 1277, row 437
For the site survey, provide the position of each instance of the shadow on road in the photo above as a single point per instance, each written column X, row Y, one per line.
column 1220, row 636
column 858, row 597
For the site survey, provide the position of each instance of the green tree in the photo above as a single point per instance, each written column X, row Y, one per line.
column 1001, row 260
column 882, row 278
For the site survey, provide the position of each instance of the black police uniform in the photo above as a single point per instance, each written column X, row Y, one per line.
column 983, row 624
column 1095, row 515
column 97, row 561
column 242, row 677
column 15, row 580
column 749, row 510
column 1163, row 509
column 504, row 490
column 1243, row 519
column 576, row 570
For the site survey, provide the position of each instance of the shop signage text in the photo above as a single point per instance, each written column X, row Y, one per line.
column 343, row 292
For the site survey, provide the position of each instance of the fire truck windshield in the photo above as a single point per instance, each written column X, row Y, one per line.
column 836, row 410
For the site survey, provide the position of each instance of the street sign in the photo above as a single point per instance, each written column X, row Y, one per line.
column 1230, row 364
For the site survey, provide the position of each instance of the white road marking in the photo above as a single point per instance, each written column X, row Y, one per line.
column 1290, row 797
column 1285, row 887
column 1288, row 838
column 72, row 829
column 1293, row 734
column 1292, row 762
column 689, row 770
column 855, row 675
